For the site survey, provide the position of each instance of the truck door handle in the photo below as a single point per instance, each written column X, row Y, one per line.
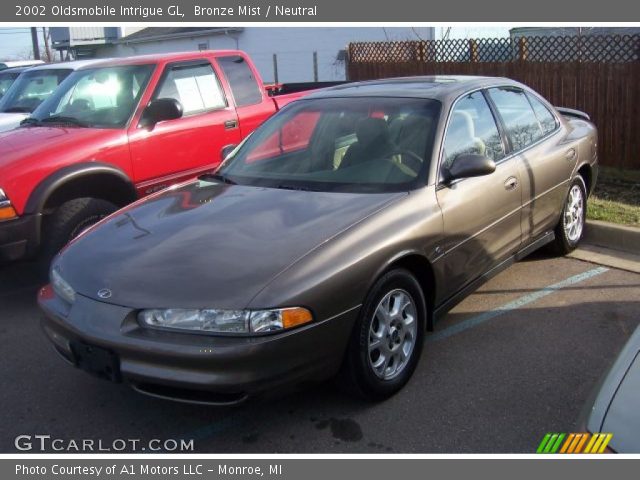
column 570, row 154
column 510, row 183
column 229, row 124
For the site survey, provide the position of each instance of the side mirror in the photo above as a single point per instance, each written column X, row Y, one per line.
column 470, row 165
column 160, row 110
column 226, row 151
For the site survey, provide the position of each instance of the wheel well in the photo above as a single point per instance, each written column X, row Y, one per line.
column 98, row 185
column 420, row 267
column 586, row 174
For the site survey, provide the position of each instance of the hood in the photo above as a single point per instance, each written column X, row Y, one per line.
column 207, row 245
column 9, row 121
column 22, row 150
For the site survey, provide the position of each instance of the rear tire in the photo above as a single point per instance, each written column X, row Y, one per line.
column 69, row 220
column 570, row 228
column 387, row 340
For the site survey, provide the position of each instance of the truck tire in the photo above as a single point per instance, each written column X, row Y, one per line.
column 69, row 220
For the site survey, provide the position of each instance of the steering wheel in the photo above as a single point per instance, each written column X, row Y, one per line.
column 406, row 168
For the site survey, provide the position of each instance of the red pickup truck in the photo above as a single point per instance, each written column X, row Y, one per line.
column 118, row 130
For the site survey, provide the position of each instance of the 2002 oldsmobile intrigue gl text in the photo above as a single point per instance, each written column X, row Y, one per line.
column 328, row 242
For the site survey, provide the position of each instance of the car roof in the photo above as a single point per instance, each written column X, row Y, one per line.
column 15, row 69
column 73, row 65
column 162, row 57
column 437, row 87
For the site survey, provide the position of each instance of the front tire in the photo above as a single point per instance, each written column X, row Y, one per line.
column 387, row 340
column 570, row 228
column 70, row 219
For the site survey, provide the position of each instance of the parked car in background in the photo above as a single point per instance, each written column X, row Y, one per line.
column 613, row 406
column 8, row 76
column 328, row 242
column 31, row 88
column 118, row 130
column 20, row 63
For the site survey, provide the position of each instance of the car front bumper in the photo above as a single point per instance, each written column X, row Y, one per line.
column 186, row 366
column 19, row 237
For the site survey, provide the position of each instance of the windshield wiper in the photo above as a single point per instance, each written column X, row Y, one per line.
column 219, row 176
column 30, row 121
column 64, row 119
column 285, row 186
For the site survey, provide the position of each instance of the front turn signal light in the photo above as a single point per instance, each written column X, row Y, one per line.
column 292, row 317
column 7, row 213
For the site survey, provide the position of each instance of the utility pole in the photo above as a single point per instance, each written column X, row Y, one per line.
column 34, row 41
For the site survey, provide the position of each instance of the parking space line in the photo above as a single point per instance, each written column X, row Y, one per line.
column 520, row 302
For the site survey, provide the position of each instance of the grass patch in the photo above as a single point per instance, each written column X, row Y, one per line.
column 616, row 198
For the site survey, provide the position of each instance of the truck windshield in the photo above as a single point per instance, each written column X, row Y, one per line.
column 31, row 89
column 353, row 144
column 103, row 97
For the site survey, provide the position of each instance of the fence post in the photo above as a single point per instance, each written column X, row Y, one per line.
column 473, row 50
column 275, row 68
column 522, row 48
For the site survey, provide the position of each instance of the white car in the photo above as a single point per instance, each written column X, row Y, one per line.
column 31, row 88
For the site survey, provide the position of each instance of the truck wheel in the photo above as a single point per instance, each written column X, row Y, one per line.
column 70, row 219
column 387, row 339
column 570, row 228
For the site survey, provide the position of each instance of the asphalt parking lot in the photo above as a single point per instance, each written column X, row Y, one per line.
column 515, row 360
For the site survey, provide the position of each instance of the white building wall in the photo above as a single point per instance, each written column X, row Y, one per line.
column 294, row 47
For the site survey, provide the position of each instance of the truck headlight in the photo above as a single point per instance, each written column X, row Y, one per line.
column 7, row 212
column 61, row 287
column 225, row 321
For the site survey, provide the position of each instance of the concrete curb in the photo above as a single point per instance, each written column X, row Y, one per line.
column 613, row 236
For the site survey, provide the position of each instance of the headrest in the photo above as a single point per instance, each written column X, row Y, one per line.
column 372, row 130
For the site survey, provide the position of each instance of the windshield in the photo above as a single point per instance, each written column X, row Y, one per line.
column 98, row 97
column 6, row 80
column 31, row 89
column 340, row 144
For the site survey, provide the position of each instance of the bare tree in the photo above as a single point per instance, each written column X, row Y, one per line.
column 46, row 37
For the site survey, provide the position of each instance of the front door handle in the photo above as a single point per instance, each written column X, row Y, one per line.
column 570, row 154
column 510, row 183
column 229, row 124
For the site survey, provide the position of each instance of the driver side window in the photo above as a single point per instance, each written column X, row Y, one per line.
column 472, row 129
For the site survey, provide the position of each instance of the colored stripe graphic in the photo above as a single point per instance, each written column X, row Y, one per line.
column 574, row 443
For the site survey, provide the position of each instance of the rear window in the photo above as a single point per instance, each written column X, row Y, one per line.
column 545, row 117
column 244, row 85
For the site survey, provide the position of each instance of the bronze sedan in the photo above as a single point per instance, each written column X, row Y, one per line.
column 329, row 242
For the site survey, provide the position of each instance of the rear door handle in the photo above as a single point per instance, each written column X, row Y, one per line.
column 510, row 183
column 229, row 124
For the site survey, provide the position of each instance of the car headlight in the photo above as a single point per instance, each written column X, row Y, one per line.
column 225, row 321
column 7, row 212
column 61, row 287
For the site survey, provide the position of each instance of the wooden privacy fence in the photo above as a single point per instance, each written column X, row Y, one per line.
column 599, row 75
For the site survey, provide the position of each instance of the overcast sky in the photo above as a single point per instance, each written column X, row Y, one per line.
column 15, row 42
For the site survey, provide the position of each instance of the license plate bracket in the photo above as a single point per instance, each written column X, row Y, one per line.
column 97, row 361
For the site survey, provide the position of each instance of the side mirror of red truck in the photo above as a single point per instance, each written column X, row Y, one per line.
column 159, row 110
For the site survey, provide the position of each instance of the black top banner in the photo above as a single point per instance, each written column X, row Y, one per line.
column 224, row 11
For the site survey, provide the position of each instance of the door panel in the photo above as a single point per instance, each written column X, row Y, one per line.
column 481, row 215
column 173, row 149
column 545, row 172
column 545, row 163
column 481, row 218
